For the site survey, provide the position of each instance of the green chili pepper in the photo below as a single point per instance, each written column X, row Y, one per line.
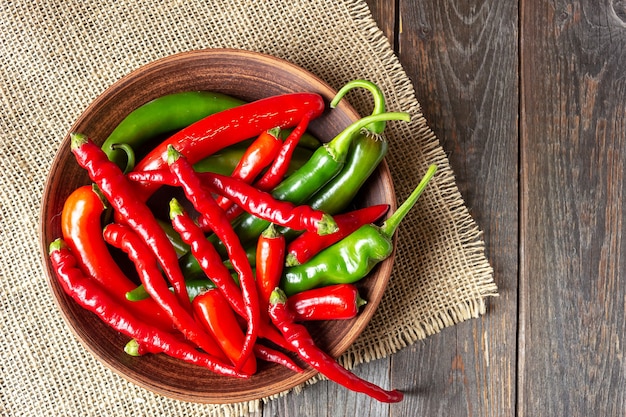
column 368, row 150
column 225, row 161
column 325, row 163
column 194, row 287
column 307, row 140
column 352, row 258
column 162, row 115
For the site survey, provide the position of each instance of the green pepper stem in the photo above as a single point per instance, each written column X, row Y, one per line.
column 172, row 155
column 326, row 225
column 77, row 140
column 391, row 224
column 176, row 209
column 278, row 296
column 379, row 101
column 130, row 155
column 338, row 147
column 132, row 348
column 56, row 245
column 275, row 132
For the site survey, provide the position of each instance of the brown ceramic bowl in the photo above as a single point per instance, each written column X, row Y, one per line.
column 248, row 76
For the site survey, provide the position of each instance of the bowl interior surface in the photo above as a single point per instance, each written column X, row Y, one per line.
column 248, row 76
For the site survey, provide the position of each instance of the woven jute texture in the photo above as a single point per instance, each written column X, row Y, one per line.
column 57, row 56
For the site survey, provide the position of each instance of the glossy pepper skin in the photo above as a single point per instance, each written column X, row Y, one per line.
column 231, row 126
column 334, row 302
column 163, row 115
column 90, row 295
column 367, row 152
column 205, row 204
column 124, row 238
column 122, row 195
column 215, row 313
column 270, row 258
column 301, row 340
column 353, row 257
column 81, row 226
column 257, row 156
column 252, row 200
column 324, row 164
column 307, row 245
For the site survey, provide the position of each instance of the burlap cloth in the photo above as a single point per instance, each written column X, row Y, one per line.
column 57, row 56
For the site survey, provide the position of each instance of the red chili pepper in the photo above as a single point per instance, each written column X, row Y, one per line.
column 82, row 231
column 301, row 339
column 257, row 156
column 213, row 310
column 334, row 302
column 270, row 258
column 212, row 265
column 271, row 355
column 230, row 126
column 205, row 204
column 122, row 195
column 90, row 295
column 276, row 172
column 279, row 167
column 207, row 256
column 124, row 238
column 259, row 203
column 307, row 245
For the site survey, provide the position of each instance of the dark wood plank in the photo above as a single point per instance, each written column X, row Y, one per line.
column 574, row 151
column 463, row 60
column 328, row 399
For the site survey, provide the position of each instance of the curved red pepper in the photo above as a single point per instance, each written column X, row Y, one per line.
column 230, row 126
column 276, row 172
column 212, row 265
column 90, row 295
column 271, row 355
column 257, row 156
column 301, row 339
column 308, row 244
column 124, row 238
column 334, row 302
column 259, row 203
column 205, row 204
column 82, row 231
column 214, row 312
column 122, row 195
column 270, row 258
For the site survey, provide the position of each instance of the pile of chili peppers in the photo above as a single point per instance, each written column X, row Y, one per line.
column 260, row 236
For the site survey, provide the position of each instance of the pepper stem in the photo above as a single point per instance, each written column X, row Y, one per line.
column 275, row 132
column 326, row 225
column 270, row 232
column 172, row 155
column 77, row 140
column 176, row 209
column 278, row 297
column 338, row 147
column 379, row 101
column 56, row 245
column 132, row 348
column 391, row 224
column 130, row 155
column 360, row 302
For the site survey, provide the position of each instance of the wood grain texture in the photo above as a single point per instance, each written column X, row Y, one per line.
column 574, row 149
column 529, row 100
column 463, row 60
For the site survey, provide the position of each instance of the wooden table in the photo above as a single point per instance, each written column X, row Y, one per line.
column 528, row 99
